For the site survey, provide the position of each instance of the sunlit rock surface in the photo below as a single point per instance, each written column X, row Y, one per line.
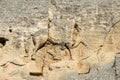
column 59, row 40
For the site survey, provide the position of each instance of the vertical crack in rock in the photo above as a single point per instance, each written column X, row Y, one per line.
column 69, row 51
column 114, row 66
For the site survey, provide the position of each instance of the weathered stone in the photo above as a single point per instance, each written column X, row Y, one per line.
column 66, row 31
column 106, row 72
column 41, row 36
column 117, row 66
column 59, row 39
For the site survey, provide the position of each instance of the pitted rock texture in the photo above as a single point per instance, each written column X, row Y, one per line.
column 59, row 40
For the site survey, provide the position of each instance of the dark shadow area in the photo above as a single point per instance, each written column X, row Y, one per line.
column 77, row 27
column 3, row 41
column 35, row 74
column 10, row 30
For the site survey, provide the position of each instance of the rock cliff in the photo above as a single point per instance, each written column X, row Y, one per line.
column 59, row 40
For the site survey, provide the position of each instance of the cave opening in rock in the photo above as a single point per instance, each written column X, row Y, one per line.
column 3, row 41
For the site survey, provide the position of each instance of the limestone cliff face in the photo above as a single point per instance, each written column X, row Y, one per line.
column 59, row 40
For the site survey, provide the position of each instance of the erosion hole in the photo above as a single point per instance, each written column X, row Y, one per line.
column 10, row 30
column 35, row 74
column 3, row 41
column 77, row 27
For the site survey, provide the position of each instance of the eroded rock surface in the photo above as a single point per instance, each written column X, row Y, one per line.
column 59, row 40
